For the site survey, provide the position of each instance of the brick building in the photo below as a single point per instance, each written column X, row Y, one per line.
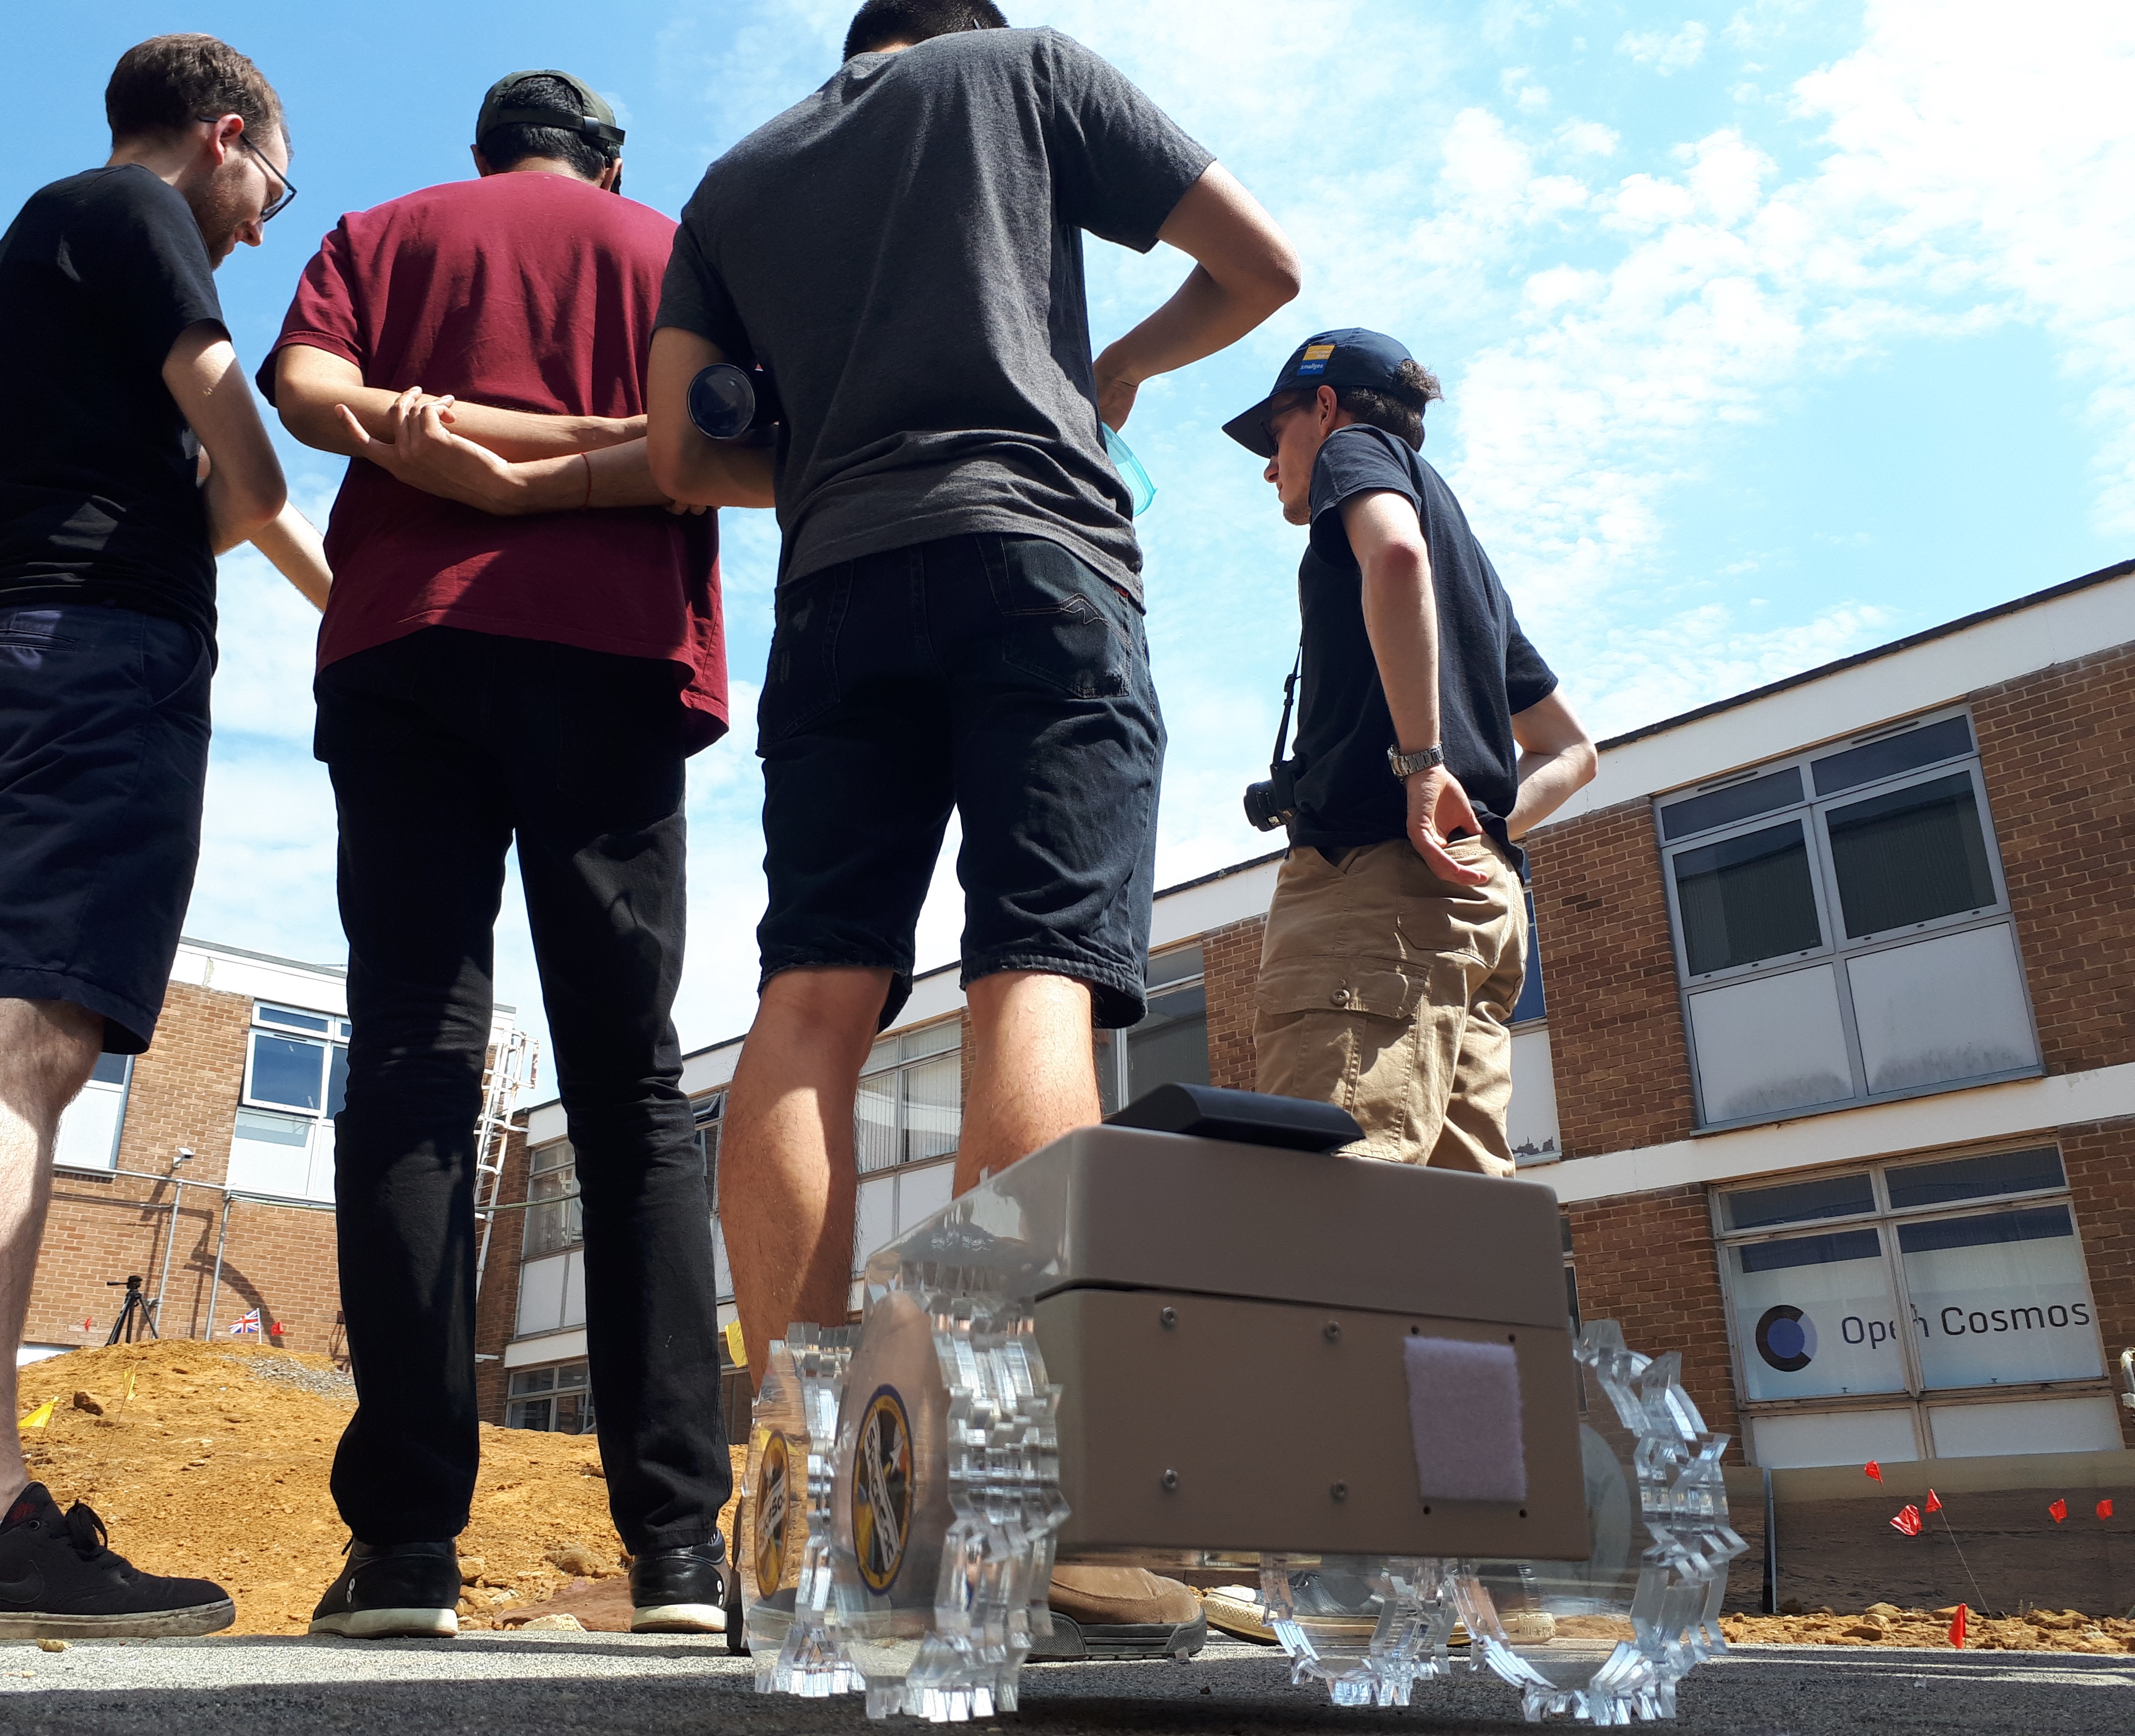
column 1829, row 1054
column 205, row 1166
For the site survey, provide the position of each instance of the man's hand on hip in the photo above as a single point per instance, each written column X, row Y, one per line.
column 1437, row 807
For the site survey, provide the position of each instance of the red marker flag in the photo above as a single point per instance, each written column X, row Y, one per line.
column 1934, row 1503
column 1909, row 1520
column 1957, row 1629
column 2105, row 1508
column 1874, row 1470
column 2060, row 1511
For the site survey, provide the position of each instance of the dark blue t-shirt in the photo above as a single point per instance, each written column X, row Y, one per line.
column 1347, row 796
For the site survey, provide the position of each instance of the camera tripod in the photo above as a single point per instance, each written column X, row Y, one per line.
column 133, row 1314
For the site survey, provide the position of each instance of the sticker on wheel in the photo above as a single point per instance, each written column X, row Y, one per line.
column 774, row 1505
column 882, row 1489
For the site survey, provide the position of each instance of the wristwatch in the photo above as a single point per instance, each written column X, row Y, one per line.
column 1405, row 766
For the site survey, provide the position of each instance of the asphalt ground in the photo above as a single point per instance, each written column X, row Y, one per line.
column 533, row 1683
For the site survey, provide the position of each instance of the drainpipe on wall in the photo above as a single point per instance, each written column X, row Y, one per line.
column 215, row 1290
column 170, row 1241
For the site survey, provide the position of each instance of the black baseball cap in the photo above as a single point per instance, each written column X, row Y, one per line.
column 1350, row 357
column 593, row 117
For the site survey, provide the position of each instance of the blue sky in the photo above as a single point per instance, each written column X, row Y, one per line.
column 1769, row 333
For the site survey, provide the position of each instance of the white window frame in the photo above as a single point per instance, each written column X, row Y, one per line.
column 890, row 1058
column 265, row 1022
column 123, row 1088
column 557, row 1208
column 566, row 1380
column 1835, row 949
column 1914, row 1394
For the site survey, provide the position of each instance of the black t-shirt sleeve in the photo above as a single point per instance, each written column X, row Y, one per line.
column 693, row 295
column 149, row 266
column 1529, row 680
column 1119, row 163
column 1353, row 460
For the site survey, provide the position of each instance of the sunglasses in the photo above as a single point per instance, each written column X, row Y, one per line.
column 280, row 202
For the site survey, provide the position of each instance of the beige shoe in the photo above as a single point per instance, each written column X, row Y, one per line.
column 1120, row 1613
column 1238, row 1611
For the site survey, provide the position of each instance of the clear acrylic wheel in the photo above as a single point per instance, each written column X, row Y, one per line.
column 1369, row 1626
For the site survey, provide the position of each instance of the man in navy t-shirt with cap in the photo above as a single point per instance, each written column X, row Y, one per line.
column 1431, row 736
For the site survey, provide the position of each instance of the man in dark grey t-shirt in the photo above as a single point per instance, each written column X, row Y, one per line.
column 959, row 622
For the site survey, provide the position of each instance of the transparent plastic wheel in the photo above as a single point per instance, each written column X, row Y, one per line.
column 1368, row 1625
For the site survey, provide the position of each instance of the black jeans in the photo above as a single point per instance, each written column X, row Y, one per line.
column 442, row 746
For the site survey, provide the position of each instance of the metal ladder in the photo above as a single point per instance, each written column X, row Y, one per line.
column 511, row 1070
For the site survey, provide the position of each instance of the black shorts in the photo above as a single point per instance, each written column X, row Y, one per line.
column 997, row 675
column 103, row 728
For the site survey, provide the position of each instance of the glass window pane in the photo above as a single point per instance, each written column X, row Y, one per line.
column 560, row 1222
column 1106, row 1047
column 1910, row 856
column 933, row 1112
column 1893, row 754
column 288, row 1070
column 1814, row 1316
column 318, row 1021
column 530, row 1413
column 1170, row 1045
column 1839, row 1195
column 874, row 1122
column 574, row 1413
column 552, row 1157
column 533, row 1380
column 1737, row 801
column 110, row 1069
column 933, row 1039
column 1529, row 1005
column 1747, row 898
column 2000, row 1300
column 1174, row 966
column 336, row 1079
column 1971, row 1178
column 570, row 1376
column 272, row 1129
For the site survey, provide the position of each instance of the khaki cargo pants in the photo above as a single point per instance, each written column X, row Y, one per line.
column 1389, row 991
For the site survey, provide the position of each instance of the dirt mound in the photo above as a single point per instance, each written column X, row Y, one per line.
column 1884, row 1624
column 217, row 1466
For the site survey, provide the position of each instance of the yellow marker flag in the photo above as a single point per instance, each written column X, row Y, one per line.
column 131, row 1375
column 38, row 1417
column 735, row 1347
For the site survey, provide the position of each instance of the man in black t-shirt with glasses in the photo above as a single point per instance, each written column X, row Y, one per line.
column 1431, row 736
column 121, row 389
column 959, row 610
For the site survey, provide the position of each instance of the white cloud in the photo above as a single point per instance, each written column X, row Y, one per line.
column 1663, row 51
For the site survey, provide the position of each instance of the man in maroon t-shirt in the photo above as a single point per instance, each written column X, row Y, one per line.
column 521, row 639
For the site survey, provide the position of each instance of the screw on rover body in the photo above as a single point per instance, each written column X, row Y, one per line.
column 1334, row 1330
column 1340, row 1491
column 1168, row 1317
column 1170, row 1479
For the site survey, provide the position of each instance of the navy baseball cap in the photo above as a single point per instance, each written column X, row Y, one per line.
column 1350, row 357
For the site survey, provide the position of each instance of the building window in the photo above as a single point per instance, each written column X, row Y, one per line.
column 1911, row 1281
column 1170, row 1045
column 554, row 1221
column 910, row 1106
column 559, row 1399
column 296, row 1069
column 1842, row 928
column 90, row 1126
column 709, row 1117
column 1529, row 1006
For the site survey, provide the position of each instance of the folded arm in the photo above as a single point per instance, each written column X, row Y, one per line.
column 244, row 488
column 1244, row 269
column 310, row 385
column 1558, row 760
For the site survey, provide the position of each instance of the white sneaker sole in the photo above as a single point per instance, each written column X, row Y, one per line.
column 390, row 1624
column 679, row 1618
column 145, row 1625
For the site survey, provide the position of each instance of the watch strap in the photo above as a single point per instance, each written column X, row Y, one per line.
column 1407, row 765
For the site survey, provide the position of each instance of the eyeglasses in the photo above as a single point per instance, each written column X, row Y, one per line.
column 280, row 202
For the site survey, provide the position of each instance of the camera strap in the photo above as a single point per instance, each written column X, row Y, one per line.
column 1289, row 699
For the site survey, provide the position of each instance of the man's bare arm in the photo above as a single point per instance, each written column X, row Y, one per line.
column 293, row 545
column 1400, row 616
column 245, row 489
column 689, row 468
column 1558, row 760
column 1244, row 269
column 310, row 383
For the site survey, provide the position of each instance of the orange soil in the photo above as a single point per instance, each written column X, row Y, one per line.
column 1884, row 1624
column 213, row 1469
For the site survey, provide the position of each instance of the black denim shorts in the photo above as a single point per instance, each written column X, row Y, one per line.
column 996, row 676
column 103, row 732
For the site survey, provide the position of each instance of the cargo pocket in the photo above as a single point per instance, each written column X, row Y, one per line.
column 1377, row 987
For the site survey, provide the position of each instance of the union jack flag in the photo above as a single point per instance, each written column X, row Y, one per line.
column 245, row 1325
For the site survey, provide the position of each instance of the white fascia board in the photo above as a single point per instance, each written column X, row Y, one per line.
column 284, row 981
column 545, row 1122
column 549, row 1348
column 709, row 1069
column 1846, row 1136
column 1848, row 701
column 1212, row 904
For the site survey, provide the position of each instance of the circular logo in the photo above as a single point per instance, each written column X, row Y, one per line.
column 882, row 1489
column 774, row 1501
column 1786, row 1339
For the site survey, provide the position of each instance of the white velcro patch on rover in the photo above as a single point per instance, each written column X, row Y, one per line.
column 1464, row 1415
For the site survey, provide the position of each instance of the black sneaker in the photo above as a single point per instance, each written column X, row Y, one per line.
column 59, row 1580
column 388, row 1591
column 680, row 1590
